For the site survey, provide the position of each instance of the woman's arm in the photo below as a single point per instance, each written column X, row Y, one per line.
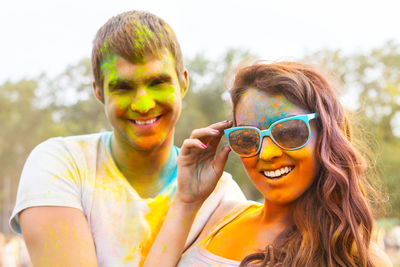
column 199, row 169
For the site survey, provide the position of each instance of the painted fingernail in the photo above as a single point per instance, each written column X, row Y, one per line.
column 203, row 146
column 215, row 131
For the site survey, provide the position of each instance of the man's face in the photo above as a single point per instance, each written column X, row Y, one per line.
column 142, row 101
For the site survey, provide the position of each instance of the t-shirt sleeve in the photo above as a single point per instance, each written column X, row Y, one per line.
column 227, row 190
column 231, row 191
column 50, row 177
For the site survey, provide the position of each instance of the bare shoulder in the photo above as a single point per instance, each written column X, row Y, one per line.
column 222, row 213
column 378, row 256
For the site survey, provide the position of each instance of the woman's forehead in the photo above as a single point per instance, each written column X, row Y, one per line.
column 260, row 109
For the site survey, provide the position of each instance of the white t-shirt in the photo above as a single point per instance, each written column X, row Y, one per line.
column 79, row 172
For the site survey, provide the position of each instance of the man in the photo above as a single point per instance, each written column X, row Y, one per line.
column 100, row 199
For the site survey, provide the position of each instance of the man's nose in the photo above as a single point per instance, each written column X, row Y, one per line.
column 269, row 150
column 142, row 102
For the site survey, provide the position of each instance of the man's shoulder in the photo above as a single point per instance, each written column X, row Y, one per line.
column 84, row 138
column 85, row 142
column 80, row 151
column 230, row 188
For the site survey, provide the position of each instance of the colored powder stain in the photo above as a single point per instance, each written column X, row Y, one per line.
column 143, row 34
column 158, row 210
column 141, row 72
column 263, row 118
column 108, row 66
column 145, row 104
column 69, row 174
column 336, row 235
column 106, row 50
column 171, row 99
column 122, row 104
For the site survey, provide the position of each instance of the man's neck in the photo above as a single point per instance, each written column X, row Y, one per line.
column 142, row 169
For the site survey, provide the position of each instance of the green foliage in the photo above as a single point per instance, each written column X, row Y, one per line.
column 373, row 78
column 389, row 161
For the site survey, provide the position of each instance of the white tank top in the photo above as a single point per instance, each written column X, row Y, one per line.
column 199, row 256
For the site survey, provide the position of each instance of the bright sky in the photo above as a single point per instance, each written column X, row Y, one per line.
column 46, row 35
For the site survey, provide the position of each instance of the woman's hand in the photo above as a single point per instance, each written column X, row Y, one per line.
column 199, row 167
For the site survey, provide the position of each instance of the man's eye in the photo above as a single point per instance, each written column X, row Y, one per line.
column 122, row 87
column 156, row 82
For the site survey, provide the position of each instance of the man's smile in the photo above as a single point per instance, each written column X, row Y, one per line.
column 145, row 123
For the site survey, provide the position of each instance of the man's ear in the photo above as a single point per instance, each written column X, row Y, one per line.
column 185, row 84
column 98, row 92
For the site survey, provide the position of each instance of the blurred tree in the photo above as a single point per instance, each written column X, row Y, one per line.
column 23, row 126
column 70, row 97
column 373, row 83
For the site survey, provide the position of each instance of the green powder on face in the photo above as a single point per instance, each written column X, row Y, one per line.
column 108, row 66
column 145, row 103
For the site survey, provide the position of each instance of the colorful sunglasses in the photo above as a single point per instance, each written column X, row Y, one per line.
column 289, row 134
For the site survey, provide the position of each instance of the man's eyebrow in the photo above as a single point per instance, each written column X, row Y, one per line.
column 162, row 77
column 121, row 81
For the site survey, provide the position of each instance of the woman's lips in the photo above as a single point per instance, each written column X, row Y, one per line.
column 278, row 173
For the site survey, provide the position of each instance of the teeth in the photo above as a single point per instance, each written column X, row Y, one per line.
column 145, row 122
column 279, row 172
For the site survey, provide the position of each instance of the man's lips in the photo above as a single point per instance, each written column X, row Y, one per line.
column 145, row 121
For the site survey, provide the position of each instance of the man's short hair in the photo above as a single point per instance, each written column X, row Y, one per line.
column 134, row 35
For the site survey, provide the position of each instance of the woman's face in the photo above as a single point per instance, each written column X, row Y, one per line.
column 258, row 109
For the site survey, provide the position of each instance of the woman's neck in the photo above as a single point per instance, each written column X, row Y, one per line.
column 273, row 213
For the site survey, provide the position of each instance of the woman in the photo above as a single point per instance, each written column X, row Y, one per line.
column 294, row 141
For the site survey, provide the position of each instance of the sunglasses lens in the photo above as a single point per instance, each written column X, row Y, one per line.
column 290, row 134
column 244, row 142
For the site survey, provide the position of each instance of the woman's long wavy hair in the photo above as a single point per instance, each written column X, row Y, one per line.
column 332, row 220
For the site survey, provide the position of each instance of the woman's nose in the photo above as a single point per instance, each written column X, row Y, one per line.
column 269, row 150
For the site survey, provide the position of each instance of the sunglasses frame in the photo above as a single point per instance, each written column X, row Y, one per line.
column 263, row 133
